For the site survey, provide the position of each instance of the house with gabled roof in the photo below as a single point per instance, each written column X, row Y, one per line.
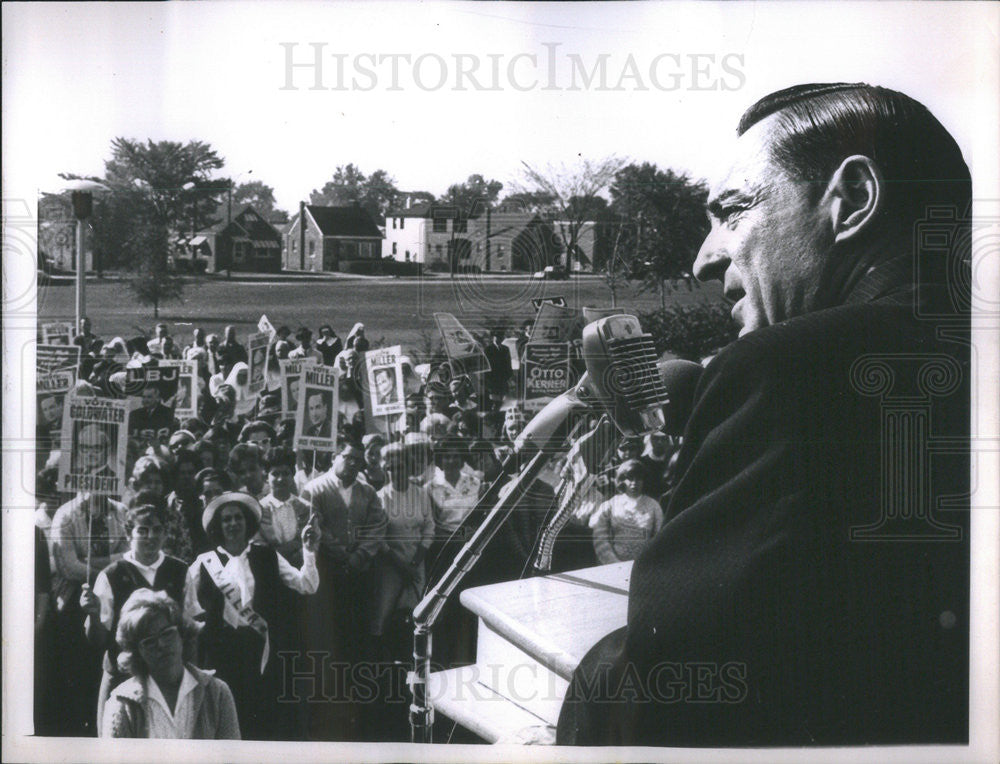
column 246, row 243
column 504, row 238
column 331, row 239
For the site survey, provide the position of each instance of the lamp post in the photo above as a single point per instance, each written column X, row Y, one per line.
column 82, row 195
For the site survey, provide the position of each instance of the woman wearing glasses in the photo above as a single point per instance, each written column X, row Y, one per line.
column 166, row 697
column 143, row 566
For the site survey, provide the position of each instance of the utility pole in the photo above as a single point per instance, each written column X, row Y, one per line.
column 489, row 209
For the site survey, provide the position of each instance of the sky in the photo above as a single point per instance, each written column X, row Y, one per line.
column 677, row 77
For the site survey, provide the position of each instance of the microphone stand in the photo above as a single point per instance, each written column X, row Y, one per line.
column 545, row 432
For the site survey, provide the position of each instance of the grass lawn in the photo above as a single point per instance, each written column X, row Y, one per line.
column 399, row 310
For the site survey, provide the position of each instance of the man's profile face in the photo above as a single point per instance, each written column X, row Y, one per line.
column 317, row 409
column 767, row 244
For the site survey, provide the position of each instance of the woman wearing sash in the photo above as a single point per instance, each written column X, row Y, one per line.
column 246, row 596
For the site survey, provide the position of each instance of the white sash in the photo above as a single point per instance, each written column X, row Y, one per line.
column 238, row 614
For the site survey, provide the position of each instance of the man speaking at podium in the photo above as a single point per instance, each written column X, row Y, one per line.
column 810, row 585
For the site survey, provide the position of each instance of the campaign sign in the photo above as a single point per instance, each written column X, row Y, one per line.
column 465, row 354
column 385, row 381
column 316, row 415
column 185, row 400
column 546, row 373
column 55, row 357
column 94, row 438
column 555, row 323
column 266, row 327
column 257, row 350
column 57, row 333
column 51, row 390
column 291, row 370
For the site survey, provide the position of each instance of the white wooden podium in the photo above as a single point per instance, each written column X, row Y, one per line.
column 531, row 635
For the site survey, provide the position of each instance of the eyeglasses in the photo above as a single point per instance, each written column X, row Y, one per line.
column 163, row 639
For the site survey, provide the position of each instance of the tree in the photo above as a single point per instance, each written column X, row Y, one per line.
column 159, row 191
column 528, row 201
column 349, row 185
column 472, row 197
column 668, row 224
column 573, row 191
column 257, row 194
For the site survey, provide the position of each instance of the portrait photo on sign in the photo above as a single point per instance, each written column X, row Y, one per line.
column 316, row 415
column 291, row 370
column 94, row 445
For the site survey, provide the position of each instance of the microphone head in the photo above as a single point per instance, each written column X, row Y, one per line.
column 680, row 378
column 624, row 378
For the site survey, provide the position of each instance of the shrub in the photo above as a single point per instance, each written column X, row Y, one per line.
column 392, row 267
column 438, row 266
column 361, row 267
column 690, row 331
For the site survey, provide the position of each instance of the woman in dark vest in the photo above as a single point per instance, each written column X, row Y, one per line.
column 246, row 596
column 144, row 566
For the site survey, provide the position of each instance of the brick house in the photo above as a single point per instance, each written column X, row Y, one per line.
column 333, row 239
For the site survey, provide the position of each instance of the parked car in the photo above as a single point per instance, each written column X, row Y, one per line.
column 553, row 272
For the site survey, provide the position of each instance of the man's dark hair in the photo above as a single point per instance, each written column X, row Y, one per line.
column 279, row 456
column 210, row 473
column 256, row 426
column 241, row 455
column 820, row 125
column 144, row 512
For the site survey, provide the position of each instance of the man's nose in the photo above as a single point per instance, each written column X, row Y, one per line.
column 711, row 262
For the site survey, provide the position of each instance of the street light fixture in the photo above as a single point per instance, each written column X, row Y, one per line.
column 82, row 195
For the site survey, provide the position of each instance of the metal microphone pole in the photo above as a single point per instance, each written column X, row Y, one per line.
column 426, row 613
column 541, row 437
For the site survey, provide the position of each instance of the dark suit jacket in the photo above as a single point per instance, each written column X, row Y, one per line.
column 755, row 616
column 321, row 430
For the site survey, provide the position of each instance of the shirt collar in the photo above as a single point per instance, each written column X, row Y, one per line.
column 188, row 684
column 129, row 556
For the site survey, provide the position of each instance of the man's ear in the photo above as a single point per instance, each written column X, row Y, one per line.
column 855, row 195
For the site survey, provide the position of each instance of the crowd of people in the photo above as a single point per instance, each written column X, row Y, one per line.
column 240, row 576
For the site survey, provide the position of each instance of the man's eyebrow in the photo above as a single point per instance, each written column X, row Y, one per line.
column 716, row 205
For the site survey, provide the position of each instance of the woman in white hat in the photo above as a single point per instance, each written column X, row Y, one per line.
column 247, row 596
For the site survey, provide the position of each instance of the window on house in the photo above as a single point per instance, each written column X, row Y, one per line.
column 407, row 255
column 394, row 223
column 402, row 222
column 440, row 225
column 394, row 248
column 295, row 246
column 437, row 250
column 312, row 246
column 461, row 225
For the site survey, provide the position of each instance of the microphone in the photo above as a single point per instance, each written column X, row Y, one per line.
column 632, row 397
column 621, row 364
